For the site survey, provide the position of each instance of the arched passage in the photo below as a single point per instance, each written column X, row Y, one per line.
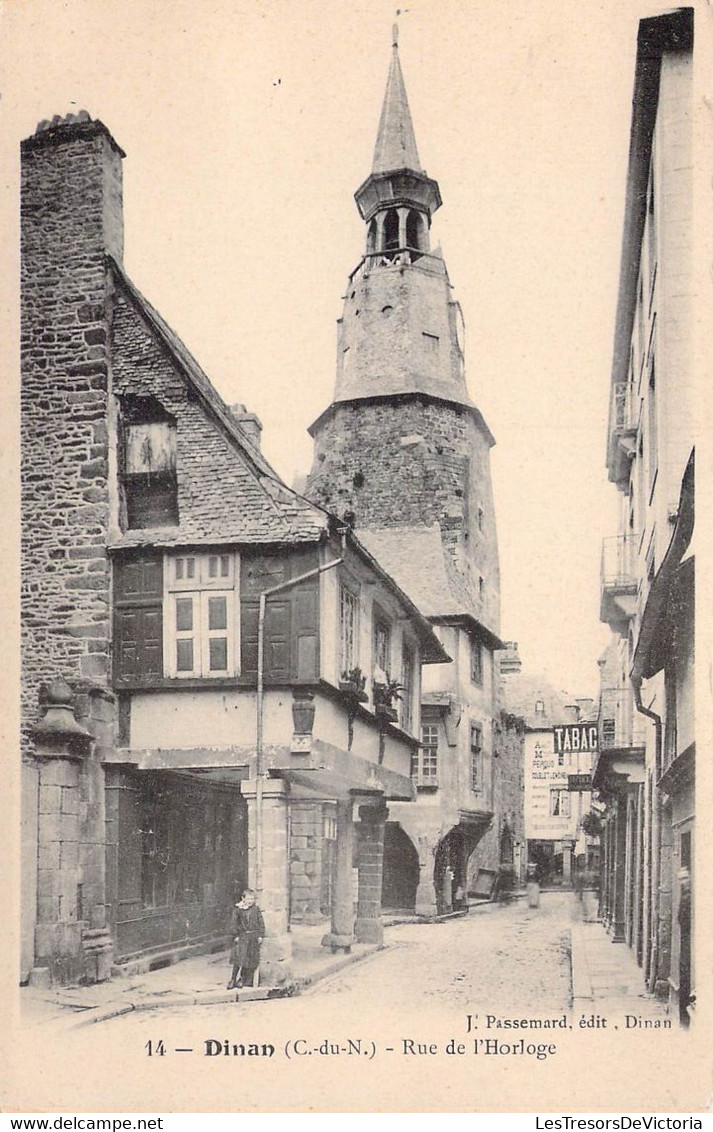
column 401, row 869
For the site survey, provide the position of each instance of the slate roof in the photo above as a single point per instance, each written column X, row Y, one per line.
column 282, row 516
column 522, row 690
column 395, row 140
column 417, row 560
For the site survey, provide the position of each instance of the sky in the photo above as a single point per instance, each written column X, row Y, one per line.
column 247, row 127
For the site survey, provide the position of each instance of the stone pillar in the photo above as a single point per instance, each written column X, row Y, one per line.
column 639, row 877
column 342, row 932
column 607, row 869
column 618, row 921
column 567, row 848
column 403, row 217
column 66, row 948
column 665, row 901
column 380, row 222
column 271, row 828
column 306, row 841
column 368, row 927
column 426, row 900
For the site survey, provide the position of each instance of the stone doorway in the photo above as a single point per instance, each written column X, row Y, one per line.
column 176, row 859
column 401, row 870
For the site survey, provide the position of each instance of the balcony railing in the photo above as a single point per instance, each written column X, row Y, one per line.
column 619, row 554
column 399, row 257
column 621, row 727
column 624, row 407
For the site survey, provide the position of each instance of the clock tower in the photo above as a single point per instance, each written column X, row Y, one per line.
column 403, row 444
column 402, row 454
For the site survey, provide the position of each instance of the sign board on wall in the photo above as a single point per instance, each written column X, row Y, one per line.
column 579, row 782
column 576, row 737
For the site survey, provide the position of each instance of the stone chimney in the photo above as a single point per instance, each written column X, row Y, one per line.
column 586, row 707
column 71, row 210
column 72, row 188
column 509, row 658
column 250, row 423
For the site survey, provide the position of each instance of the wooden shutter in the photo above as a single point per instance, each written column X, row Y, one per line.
column 138, row 618
column 291, row 617
column 305, row 620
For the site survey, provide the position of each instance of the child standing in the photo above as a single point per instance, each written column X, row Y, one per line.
column 247, row 931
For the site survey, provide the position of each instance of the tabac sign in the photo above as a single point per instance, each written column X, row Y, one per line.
column 576, row 737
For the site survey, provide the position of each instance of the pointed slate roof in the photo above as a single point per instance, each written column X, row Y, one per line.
column 395, row 140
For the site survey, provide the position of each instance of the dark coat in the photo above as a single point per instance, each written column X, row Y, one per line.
column 247, row 927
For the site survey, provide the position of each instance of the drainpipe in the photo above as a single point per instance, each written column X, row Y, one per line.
column 260, row 704
column 652, row 972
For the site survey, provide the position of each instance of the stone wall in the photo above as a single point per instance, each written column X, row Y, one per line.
column 507, row 795
column 306, row 853
column 71, row 214
column 410, row 461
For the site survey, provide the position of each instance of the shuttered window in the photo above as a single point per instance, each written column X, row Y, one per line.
column 147, row 464
column 291, row 649
column 195, row 615
column 200, row 636
column 138, row 618
column 408, row 678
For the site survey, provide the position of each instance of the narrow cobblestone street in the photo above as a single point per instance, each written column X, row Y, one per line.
column 481, row 1003
column 499, row 959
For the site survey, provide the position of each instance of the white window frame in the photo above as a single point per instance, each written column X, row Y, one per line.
column 563, row 797
column 424, row 776
column 347, row 663
column 198, row 577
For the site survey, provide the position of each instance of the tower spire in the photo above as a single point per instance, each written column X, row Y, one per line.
column 395, row 140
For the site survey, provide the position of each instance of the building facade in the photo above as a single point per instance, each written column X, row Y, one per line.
column 188, row 624
column 555, row 840
column 646, row 767
column 402, row 454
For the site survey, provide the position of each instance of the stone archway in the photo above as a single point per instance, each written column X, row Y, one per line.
column 401, row 869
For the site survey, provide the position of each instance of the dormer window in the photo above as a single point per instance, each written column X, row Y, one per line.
column 147, row 464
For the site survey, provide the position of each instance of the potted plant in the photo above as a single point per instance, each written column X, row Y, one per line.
column 352, row 684
column 385, row 696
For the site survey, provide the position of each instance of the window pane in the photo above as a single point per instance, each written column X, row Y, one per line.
column 213, row 566
column 179, row 568
column 184, row 656
column 218, row 654
column 184, row 614
column 347, row 625
column 476, row 661
column 190, row 567
column 224, row 565
column 217, row 613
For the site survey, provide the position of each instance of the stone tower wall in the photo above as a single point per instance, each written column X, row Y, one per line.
column 71, row 215
column 412, row 461
column 398, row 333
